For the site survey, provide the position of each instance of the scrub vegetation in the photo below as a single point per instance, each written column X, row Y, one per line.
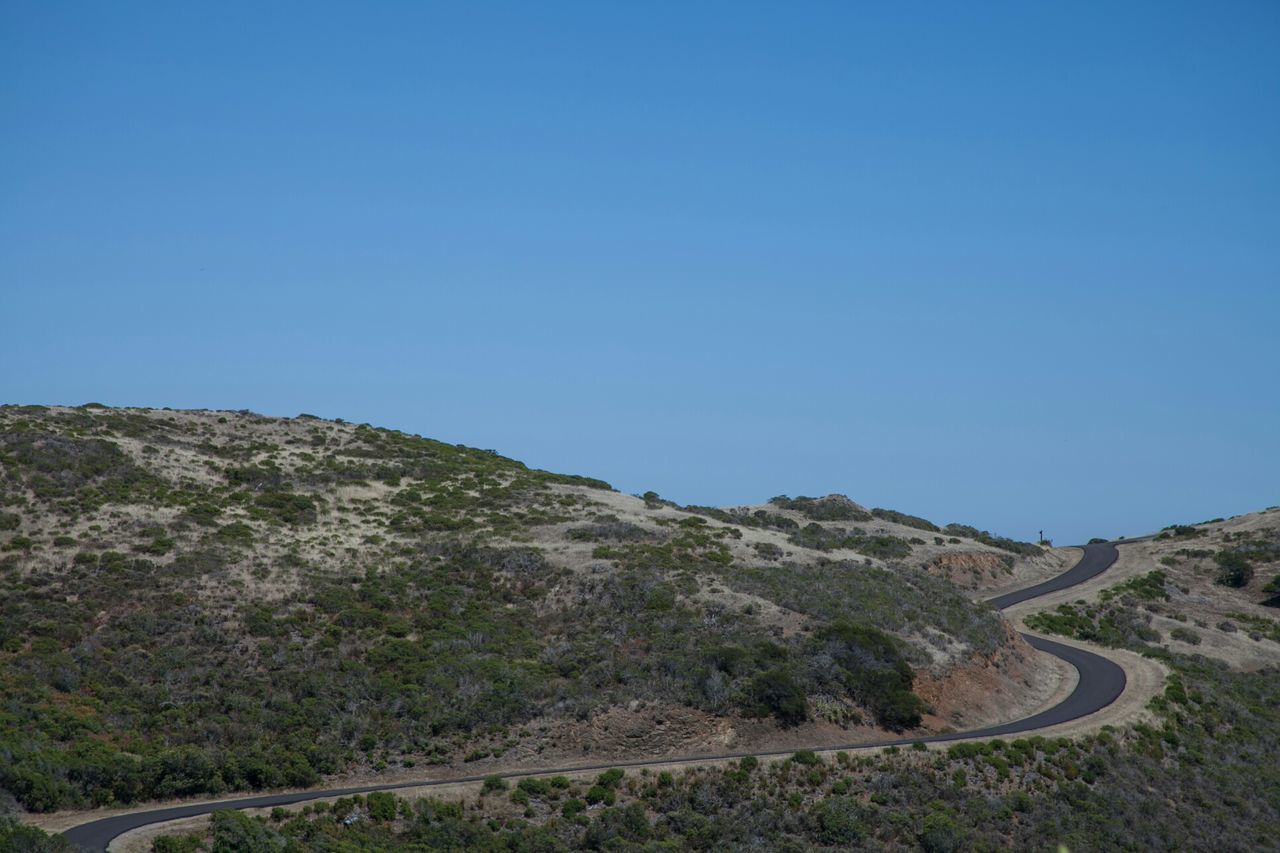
column 198, row 603
column 1202, row 775
column 1199, row 773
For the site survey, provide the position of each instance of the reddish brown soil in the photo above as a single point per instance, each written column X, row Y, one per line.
column 968, row 569
column 982, row 691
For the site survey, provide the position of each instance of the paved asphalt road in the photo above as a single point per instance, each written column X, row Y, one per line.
column 1101, row 683
column 1096, row 560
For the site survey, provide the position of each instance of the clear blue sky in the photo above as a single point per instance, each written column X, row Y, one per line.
column 958, row 259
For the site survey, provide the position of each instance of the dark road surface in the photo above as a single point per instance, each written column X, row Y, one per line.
column 1101, row 683
column 1096, row 560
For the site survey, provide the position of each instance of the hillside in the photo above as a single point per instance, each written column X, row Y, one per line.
column 1211, row 589
column 195, row 602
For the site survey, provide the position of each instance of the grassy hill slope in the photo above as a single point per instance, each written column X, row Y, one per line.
column 197, row 602
column 1197, row 773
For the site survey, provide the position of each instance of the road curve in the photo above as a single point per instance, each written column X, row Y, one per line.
column 1096, row 560
column 1101, row 682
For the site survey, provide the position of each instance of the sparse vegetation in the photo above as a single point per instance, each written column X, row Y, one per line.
column 1272, row 591
column 1148, row 587
column 830, row 508
column 200, row 604
column 1111, row 624
column 203, row 603
column 1024, row 549
column 1234, row 568
column 1180, row 531
column 1260, row 626
column 903, row 518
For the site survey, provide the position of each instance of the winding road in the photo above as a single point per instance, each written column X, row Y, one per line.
column 1101, row 683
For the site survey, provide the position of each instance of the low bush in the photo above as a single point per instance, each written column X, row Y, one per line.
column 16, row 837
column 535, row 786
column 903, row 518
column 286, row 507
column 1272, row 591
column 1179, row 531
column 829, row 508
column 879, row 546
column 777, row 692
column 1023, row 549
column 1149, row 587
column 1235, row 569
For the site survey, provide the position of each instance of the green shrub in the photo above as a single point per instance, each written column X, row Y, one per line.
column 203, row 513
column 1025, row 549
column 878, row 546
column 286, row 507
column 235, row 832
column 829, row 508
column 610, row 778
column 776, row 692
column 941, row 834
column 838, row 821
column 1179, row 531
column 236, row 533
column 601, row 794
column 902, row 518
column 870, row 666
column 382, row 805
column 1234, row 568
column 1272, row 591
column 968, row 749
column 20, row 838
column 1149, row 587
column 535, row 786
column 178, row 844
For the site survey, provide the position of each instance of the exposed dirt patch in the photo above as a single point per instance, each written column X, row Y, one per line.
column 1028, row 572
column 1015, row 682
column 639, row 731
column 969, row 569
